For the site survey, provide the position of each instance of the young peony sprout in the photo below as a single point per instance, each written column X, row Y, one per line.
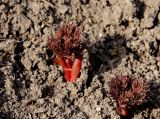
column 128, row 93
column 67, row 47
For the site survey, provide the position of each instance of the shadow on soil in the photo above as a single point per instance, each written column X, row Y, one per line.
column 18, row 69
column 105, row 54
column 3, row 96
column 6, row 115
column 140, row 8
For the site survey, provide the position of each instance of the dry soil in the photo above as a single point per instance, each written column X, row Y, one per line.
column 122, row 37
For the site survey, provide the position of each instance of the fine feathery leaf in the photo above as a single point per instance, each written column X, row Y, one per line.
column 66, row 41
column 128, row 93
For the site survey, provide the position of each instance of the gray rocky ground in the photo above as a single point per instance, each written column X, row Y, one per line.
column 123, row 37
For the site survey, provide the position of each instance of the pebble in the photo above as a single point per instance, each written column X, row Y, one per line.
column 2, row 7
column 158, row 37
column 24, row 22
column 26, row 44
column 98, row 109
column 63, row 9
column 155, row 73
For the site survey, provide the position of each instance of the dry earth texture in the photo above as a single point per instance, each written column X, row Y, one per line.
column 122, row 37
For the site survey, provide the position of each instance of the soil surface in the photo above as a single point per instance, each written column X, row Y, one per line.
column 123, row 37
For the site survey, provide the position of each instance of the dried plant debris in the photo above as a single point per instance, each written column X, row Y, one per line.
column 128, row 93
column 67, row 47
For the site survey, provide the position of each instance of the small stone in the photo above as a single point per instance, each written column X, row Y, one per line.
column 155, row 73
column 100, row 34
column 158, row 37
column 158, row 64
column 26, row 44
column 45, row 30
column 152, row 67
column 27, row 62
column 50, row 19
column 63, row 9
column 32, row 31
column 24, row 23
column 40, row 101
column 42, row 66
column 98, row 109
column 44, row 116
column 2, row 7
column 147, row 23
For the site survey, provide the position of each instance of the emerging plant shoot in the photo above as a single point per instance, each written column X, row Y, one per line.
column 128, row 93
column 67, row 47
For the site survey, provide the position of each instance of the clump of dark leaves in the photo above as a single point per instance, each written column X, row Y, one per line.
column 66, row 41
column 128, row 93
column 67, row 48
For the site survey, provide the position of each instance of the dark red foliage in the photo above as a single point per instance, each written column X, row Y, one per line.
column 67, row 47
column 66, row 41
column 128, row 93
